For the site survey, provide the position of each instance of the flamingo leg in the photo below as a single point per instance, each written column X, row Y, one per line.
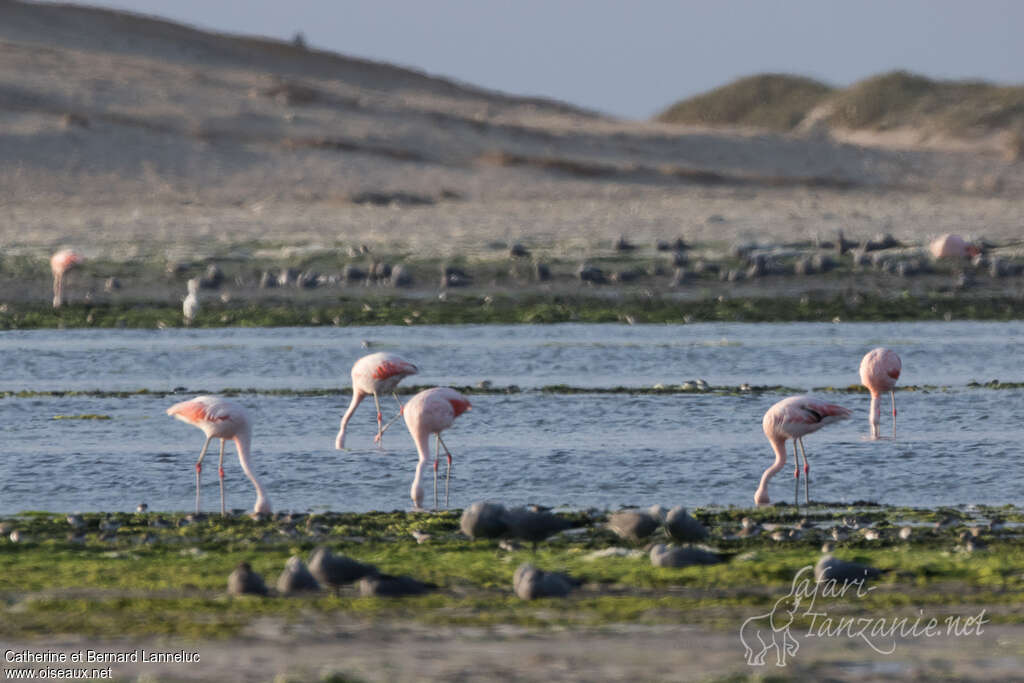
column 220, row 474
column 796, row 476
column 199, row 468
column 437, row 455
column 807, row 473
column 893, row 394
column 380, row 432
column 448, row 472
column 392, row 420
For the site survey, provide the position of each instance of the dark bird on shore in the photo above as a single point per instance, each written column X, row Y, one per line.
column 668, row 556
column 244, row 581
column 533, row 526
column 296, row 577
column 530, row 583
column 635, row 525
column 337, row 570
column 683, row 528
column 831, row 567
column 484, row 520
column 385, row 585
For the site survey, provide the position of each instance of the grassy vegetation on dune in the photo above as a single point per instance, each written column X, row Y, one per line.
column 526, row 309
column 897, row 99
column 773, row 101
column 164, row 574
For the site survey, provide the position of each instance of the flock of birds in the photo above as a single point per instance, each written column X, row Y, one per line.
column 432, row 411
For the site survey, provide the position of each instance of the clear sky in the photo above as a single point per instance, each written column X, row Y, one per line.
column 633, row 58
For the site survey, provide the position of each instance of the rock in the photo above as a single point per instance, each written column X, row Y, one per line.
column 683, row 528
column 336, row 570
column 244, row 581
column 668, row 556
column 633, row 525
column 385, row 585
column 541, row 272
column 483, row 520
column 531, row 583
column 831, row 567
column 111, row 284
column 296, row 577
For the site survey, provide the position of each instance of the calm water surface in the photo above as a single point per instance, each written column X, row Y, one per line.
column 954, row 445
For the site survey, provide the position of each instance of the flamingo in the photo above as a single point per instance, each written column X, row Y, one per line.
column 879, row 370
column 794, row 418
column 222, row 419
column 431, row 412
column 60, row 263
column 190, row 306
column 376, row 374
column 950, row 246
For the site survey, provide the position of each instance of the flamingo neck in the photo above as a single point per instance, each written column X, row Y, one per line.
column 779, row 447
column 422, row 439
column 243, row 443
column 357, row 397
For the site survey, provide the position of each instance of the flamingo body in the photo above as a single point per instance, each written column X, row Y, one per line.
column 431, row 412
column 879, row 370
column 794, row 418
column 373, row 375
column 950, row 246
column 221, row 419
column 60, row 263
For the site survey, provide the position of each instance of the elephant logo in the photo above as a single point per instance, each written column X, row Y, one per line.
column 772, row 630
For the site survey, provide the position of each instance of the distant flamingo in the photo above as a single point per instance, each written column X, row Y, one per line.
column 60, row 263
column 222, row 419
column 879, row 371
column 190, row 306
column 794, row 418
column 375, row 374
column 431, row 412
column 950, row 246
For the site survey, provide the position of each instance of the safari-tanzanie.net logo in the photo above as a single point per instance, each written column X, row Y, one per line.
column 803, row 614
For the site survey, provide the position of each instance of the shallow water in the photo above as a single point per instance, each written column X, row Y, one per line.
column 790, row 354
column 956, row 445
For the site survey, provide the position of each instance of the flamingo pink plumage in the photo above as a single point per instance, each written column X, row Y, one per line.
column 794, row 418
column 60, row 263
column 375, row 374
column 950, row 246
column 222, row 419
column 431, row 412
column 879, row 370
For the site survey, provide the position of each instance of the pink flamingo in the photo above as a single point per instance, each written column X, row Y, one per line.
column 794, row 418
column 376, row 374
column 222, row 419
column 60, row 263
column 952, row 247
column 431, row 412
column 879, row 370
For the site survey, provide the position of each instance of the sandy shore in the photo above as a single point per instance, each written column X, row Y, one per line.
column 273, row 650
